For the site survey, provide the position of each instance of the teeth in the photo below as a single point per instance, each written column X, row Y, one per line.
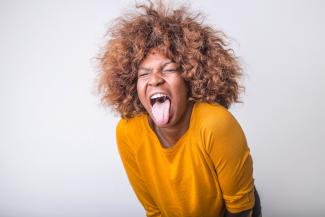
column 157, row 95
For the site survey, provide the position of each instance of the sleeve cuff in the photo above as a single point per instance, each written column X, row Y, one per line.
column 240, row 202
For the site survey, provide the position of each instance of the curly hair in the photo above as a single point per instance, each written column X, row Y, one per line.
column 211, row 70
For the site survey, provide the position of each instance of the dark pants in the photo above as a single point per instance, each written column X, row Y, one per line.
column 257, row 210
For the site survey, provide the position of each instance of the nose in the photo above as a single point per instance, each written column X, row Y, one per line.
column 155, row 79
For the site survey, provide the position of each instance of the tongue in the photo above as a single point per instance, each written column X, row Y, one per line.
column 160, row 111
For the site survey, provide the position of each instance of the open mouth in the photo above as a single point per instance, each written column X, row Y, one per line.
column 158, row 98
column 160, row 108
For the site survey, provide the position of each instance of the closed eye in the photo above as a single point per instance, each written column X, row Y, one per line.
column 143, row 74
column 170, row 69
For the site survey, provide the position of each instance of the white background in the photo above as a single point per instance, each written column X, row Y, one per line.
column 58, row 156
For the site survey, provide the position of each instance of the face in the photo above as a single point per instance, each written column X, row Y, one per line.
column 161, row 89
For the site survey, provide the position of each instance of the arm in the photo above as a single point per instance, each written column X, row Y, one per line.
column 134, row 174
column 228, row 150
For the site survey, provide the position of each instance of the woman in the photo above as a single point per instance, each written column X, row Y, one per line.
column 172, row 80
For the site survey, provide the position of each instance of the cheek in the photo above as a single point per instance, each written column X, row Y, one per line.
column 140, row 91
column 182, row 88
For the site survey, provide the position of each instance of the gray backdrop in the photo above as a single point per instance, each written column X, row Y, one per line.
column 58, row 156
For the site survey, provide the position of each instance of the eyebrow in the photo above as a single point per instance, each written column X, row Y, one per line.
column 165, row 64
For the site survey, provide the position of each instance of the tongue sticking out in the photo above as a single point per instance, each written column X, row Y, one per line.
column 160, row 111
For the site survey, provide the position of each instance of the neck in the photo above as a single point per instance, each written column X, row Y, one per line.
column 170, row 135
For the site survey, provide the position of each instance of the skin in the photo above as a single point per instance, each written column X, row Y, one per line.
column 157, row 73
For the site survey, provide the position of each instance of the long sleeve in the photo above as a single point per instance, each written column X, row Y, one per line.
column 228, row 150
column 133, row 172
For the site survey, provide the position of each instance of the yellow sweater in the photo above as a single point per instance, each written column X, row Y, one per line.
column 208, row 170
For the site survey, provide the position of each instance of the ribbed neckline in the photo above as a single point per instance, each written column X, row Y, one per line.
column 153, row 135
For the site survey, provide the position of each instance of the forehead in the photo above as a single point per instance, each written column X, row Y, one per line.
column 154, row 58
